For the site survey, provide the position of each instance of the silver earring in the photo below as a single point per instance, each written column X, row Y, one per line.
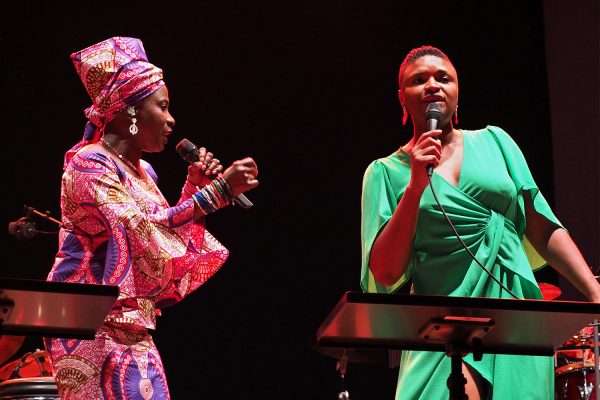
column 133, row 129
column 404, row 115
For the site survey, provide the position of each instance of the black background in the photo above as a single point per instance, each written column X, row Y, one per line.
column 309, row 90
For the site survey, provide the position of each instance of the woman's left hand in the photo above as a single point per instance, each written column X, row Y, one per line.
column 205, row 169
column 241, row 176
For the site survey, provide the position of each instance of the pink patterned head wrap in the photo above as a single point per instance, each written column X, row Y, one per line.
column 116, row 73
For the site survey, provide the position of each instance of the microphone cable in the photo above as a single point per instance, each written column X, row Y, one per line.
column 464, row 244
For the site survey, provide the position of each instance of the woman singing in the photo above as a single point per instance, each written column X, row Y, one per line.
column 119, row 230
column 485, row 186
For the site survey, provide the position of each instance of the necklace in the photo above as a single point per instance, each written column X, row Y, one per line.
column 121, row 157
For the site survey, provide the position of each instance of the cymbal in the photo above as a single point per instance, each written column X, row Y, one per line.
column 574, row 367
column 360, row 356
column 549, row 292
column 574, row 347
column 578, row 343
column 9, row 346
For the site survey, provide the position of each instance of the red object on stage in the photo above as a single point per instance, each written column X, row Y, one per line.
column 549, row 292
column 30, row 368
column 9, row 345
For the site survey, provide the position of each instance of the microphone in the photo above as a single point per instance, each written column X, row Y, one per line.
column 189, row 152
column 433, row 115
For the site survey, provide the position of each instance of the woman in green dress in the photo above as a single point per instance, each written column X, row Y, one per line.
column 482, row 180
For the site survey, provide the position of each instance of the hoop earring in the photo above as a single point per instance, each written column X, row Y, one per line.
column 456, row 115
column 404, row 116
column 133, row 129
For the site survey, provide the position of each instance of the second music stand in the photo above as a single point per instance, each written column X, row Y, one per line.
column 454, row 325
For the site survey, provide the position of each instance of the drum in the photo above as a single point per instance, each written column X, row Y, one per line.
column 38, row 388
column 30, row 365
column 579, row 348
column 574, row 382
column 588, row 334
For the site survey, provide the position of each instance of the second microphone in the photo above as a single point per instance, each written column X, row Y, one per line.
column 189, row 152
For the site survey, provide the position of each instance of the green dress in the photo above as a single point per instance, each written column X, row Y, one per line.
column 487, row 209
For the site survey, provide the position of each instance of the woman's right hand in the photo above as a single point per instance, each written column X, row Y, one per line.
column 201, row 172
column 241, row 176
column 427, row 150
column 393, row 247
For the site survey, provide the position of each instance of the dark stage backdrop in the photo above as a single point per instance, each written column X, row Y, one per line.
column 575, row 119
column 308, row 88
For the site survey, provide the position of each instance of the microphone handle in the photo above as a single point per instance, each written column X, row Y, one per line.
column 431, row 126
column 241, row 200
column 191, row 156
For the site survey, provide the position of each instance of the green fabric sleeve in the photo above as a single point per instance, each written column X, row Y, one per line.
column 524, row 182
column 378, row 204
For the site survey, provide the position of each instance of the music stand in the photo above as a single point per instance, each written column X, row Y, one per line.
column 53, row 309
column 454, row 325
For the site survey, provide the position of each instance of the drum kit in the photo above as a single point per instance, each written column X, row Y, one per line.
column 575, row 367
column 574, row 361
column 27, row 377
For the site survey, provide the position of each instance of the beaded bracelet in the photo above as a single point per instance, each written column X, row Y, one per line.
column 220, row 196
column 212, row 197
column 218, row 190
column 200, row 198
column 223, row 187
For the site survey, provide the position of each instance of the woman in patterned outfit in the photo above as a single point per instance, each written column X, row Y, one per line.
column 119, row 230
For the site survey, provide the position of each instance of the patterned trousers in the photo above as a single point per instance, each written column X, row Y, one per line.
column 118, row 364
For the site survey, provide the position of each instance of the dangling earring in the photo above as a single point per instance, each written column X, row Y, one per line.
column 456, row 115
column 404, row 115
column 133, row 129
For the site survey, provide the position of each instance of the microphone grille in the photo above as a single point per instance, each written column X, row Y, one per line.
column 433, row 111
column 187, row 150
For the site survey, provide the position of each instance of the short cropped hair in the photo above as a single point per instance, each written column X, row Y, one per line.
column 416, row 53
